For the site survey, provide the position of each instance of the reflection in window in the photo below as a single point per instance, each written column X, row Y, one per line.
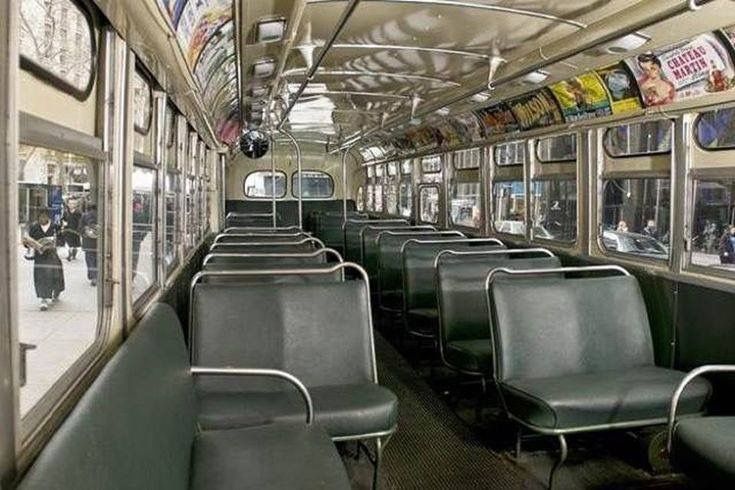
column 378, row 190
column 713, row 226
column 316, row 185
column 144, row 240
column 391, row 198
column 141, row 103
column 370, row 204
column 635, row 216
column 512, row 153
column 716, row 129
column 562, row 148
column 429, row 205
column 190, row 201
column 171, row 220
column 431, row 164
column 170, row 138
column 467, row 159
column 58, row 259
column 554, row 211
column 56, row 36
column 360, row 203
column 371, row 172
column 510, row 207
column 405, row 198
column 379, row 170
column 392, row 169
column 464, row 206
column 406, row 167
column 259, row 184
column 644, row 138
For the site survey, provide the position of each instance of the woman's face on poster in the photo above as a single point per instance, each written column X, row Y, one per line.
column 651, row 69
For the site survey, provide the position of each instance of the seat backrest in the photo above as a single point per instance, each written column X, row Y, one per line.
column 419, row 285
column 390, row 261
column 243, row 261
column 556, row 327
column 320, row 333
column 262, row 237
column 135, row 425
column 353, row 235
column 460, row 291
column 244, row 248
column 296, row 277
column 369, row 244
column 244, row 221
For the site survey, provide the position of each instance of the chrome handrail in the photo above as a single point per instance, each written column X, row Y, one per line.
column 508, row 251
column 314, row 240
column 459, row 240
column 263, row 235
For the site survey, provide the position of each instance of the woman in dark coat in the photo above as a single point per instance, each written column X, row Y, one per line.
column 727, row 246
column 90, row 231
column 48, row 272
column 71, row 221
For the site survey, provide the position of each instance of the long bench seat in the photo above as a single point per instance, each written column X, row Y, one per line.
column 136, row 428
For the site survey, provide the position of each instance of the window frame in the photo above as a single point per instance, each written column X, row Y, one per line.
column 304, row 170
column 143, row 74
column 542, row 161
column 47, row 76
column 517, row 142
column 419, row 189
column 695, row 131
column 266, row 198
column 494, row 214
column 140, row 302
column 608, row 129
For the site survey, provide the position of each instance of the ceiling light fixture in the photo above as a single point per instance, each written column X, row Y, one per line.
column 535, row 77
column 264, row 68
column 270, row 30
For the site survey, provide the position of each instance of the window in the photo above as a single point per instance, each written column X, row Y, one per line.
column 59, row 259
column 316, row 185
column 371, row 172
column 170, row 139
column 467, row 159
column 379, row 204
column 142, row 103
column 554, row 210
column 171, row 220
column 405, row 198
column 431, row 164
column 406, row 167
column 716, row 129
column 561, row 148
column 635, row 216
column 713, row 225
column 391, row 197
column 360, row 204
column 429, row 204
column 510, row 207
column 379, row 170
column 189, row 201
column 370, row 205
column 145, row 274
column 464, row 205
column 57, row 42
column 259, row 185
column 512, row 153
column 644, row 138
column 392, row 169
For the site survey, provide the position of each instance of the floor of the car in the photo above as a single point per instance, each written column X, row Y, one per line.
column 438, row 446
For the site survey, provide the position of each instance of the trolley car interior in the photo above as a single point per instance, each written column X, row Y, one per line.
column 393, row 244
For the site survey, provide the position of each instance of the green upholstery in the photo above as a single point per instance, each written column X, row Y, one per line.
column 329, row 228
column 245, row 221
column 266, row 262
column 464, row 339
column 296, row 277
column 135, row 428
column 353, row 235
column 704, row 448
column 265, row 249
column 320, row 333
column 262, row 238
column 370, row 247
column 577, row 353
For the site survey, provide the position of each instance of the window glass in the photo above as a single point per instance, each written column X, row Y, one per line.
column 467, row 159
column 170, row 139
column 464, row 205
column 512, row 153
column 405, row 198
column 59, row 256
column 431, row 164
column 360, row 204
column 379, row 170
column 406, row 167
column 713, row 226
column 316, row 185
column 635, row 216
column 392, row 169
column 371, row 172
column 554, row 211
column 644, row 138
column 171, row 220
column 716, row 129
column 561, row 148
column 370, row 205
column 259, row 184
column 429, row 205
column 189, row 199
column 141, row 103
column 378, row 190
column 391, row 198
column 144, row 240
column 56, row 37
column 510, row 207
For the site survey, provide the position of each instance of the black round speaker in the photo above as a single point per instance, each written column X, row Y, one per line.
column 254, row 144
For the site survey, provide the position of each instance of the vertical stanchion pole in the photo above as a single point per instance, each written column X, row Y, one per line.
column 273, row 179
column 344, row 186
column 298, row 170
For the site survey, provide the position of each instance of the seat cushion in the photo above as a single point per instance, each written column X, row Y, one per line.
column 270, row 456
column 606, row 397
column 342, row 411
column 474, row 355
column 704, row 448
column 424, row 321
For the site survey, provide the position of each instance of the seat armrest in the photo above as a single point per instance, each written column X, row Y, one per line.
column 694, row 373
column 268, row 373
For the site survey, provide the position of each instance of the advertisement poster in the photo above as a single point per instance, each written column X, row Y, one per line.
column 582, row 97
column 220, row 47
column 448, row 133
column 536, row 110
column 497, row 119
column 685, row 70
column 226, row 74
column 173, row 8
column 621, row 88
column 469, row 126
column 199, row 21
column 422, row 138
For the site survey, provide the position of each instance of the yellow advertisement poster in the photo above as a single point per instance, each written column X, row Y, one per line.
column 582, row 97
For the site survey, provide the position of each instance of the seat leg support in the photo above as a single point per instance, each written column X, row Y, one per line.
column 519, row 448
column 377, row 458
column 563, row 453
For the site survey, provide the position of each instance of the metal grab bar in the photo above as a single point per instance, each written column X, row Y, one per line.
column 257, row 229
column 691, row 375
column 420, row 232
column 268, row 373
column 325, row 251
column 233, row 214
column 511, row 251
column 316, row 241
column 556, row 270
column 460, row 240
column 280, row 272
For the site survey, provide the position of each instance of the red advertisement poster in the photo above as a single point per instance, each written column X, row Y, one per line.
column 497, row 119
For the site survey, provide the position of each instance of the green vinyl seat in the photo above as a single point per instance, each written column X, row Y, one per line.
column 353, row 235
column 136, row 428
column 242, row 248
column 369, row 244
column 464, row 320
column 320, row 332
column 577, row 355
column 262, row 237
column 704, row 449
